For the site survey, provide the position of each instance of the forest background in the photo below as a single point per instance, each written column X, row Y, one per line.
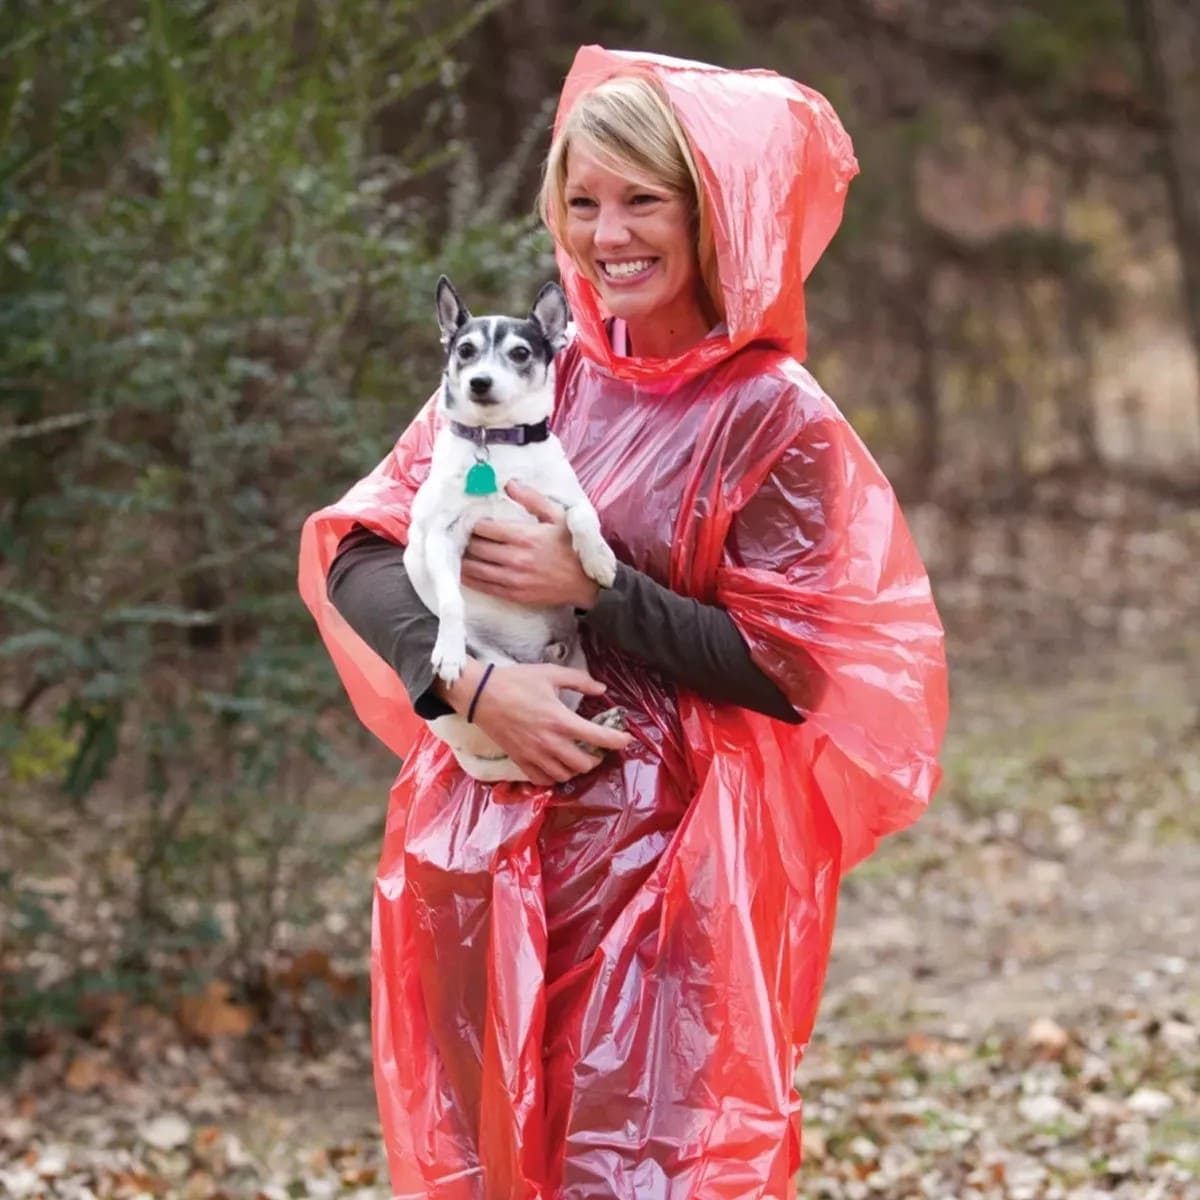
column 220, row 226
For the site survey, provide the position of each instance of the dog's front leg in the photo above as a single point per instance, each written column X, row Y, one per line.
column 595, row 555
column 443, row 555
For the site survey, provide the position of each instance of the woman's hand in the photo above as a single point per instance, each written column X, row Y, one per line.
column 528, row 564
column 520, row 711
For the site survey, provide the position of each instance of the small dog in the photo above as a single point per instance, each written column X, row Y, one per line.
column 496, row 398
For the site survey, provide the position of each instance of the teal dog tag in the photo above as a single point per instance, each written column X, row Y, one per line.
column 481, row 480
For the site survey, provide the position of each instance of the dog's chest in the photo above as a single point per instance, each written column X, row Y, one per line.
column 465, row 479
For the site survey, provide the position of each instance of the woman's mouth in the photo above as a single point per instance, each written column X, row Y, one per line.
column 631, row 271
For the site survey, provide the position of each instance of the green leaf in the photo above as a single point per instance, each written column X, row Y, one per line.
column 27, row 604
column 27, row 643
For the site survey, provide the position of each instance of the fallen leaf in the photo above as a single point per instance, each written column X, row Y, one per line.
column 168, row 1132
column 1041, row 1110
column 137, row 1183
column 52, row 1161
column 813, row 1146
column 921, row 1044
column 1149, row 1102
column 1048, row 1037
column 309, row 964
column 210, row 1015
column 85, row 1074
column 315, row 964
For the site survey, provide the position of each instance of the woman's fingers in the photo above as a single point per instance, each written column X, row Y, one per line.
column 523, row 713
column 552, row 760
column 575, row 760
column 483, row 549
column 490, row 530
column 535, row 773
column 571, row 679
column 533, row 501
column 601, row 736
column 481, row 572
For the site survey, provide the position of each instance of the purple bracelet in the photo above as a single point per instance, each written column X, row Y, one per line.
column 479, row 692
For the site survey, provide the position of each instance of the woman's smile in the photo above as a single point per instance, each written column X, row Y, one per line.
column 633, row 271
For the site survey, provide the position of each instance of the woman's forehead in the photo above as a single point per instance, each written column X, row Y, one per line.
column 589, row 165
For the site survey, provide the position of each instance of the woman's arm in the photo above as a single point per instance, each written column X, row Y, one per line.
column 370, row 588
column 520, row 708
column 695, row 644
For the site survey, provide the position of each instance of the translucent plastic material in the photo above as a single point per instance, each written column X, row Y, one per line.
column 604, row 989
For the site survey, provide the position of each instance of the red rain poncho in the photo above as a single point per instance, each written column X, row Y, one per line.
column 603, row 989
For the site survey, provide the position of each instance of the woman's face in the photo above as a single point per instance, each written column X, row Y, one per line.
column 634, row 239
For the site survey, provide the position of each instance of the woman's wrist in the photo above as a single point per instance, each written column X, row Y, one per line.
column 461, row 692
column 589, row 593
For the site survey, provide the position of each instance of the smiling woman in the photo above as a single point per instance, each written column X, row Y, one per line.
column 600, row 989
column 622, row 196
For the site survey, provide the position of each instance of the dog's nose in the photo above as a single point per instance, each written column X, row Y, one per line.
column 481, row 384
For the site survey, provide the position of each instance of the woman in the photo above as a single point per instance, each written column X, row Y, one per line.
column 603, row 988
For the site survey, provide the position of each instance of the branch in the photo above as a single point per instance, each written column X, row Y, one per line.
column 17, row 433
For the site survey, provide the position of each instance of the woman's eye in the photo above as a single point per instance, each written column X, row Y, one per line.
column 645, row 198
column 580, row 202
column 519, row 354
column 466, row 351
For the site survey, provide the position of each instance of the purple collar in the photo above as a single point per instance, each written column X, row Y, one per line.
column 511, row 435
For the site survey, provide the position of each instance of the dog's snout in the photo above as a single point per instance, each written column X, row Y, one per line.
column 481, row 385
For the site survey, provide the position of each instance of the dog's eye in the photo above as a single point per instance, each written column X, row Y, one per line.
column 519, row 354
column 466, row 351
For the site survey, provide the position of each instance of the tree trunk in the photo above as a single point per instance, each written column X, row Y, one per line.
column 1168, row 37
column 926, row 392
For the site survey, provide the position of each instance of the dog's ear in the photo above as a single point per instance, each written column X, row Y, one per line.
column 451, row 312
column 551, row 313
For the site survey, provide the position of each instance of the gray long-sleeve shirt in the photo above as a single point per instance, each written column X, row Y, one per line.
column 697, row 645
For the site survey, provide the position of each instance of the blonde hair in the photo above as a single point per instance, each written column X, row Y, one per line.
column 630, row 126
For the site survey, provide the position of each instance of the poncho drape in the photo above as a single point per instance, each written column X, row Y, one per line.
column 603, row 989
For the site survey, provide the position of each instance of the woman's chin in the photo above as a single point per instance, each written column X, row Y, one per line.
column 628, row 304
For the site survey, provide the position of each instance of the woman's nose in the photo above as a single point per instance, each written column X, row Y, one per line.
column 611, row 228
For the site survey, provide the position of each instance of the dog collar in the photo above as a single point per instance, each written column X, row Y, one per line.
column 509, row 435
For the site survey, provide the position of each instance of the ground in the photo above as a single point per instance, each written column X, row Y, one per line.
column 1013, row 1007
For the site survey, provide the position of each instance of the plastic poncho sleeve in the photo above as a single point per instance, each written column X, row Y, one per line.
column 382, row 501
column 820, row 574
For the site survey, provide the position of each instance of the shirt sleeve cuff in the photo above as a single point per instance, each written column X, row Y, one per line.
column 609, row 601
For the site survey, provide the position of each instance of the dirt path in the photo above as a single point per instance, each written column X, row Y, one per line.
column 1058, row 869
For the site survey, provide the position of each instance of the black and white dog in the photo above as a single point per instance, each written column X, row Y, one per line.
column 496, row 399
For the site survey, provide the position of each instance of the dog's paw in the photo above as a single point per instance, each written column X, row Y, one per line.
column 598, row 561
column 449, row 656
column 610, row 718
column 613, row 718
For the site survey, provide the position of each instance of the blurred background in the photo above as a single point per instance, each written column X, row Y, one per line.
column 221, row 222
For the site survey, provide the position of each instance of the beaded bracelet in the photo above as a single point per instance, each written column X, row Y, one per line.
column 478, row 692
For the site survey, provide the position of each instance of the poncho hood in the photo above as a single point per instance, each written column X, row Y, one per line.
column 775, row 164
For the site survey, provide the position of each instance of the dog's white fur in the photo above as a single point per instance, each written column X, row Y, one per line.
column 443, row 515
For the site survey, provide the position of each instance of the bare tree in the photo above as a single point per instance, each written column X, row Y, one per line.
column 1167, row 33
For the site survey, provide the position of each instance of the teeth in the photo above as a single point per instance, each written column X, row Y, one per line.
column 618, row 270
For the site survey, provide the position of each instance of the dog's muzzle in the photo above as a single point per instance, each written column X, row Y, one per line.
column 481, row 389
